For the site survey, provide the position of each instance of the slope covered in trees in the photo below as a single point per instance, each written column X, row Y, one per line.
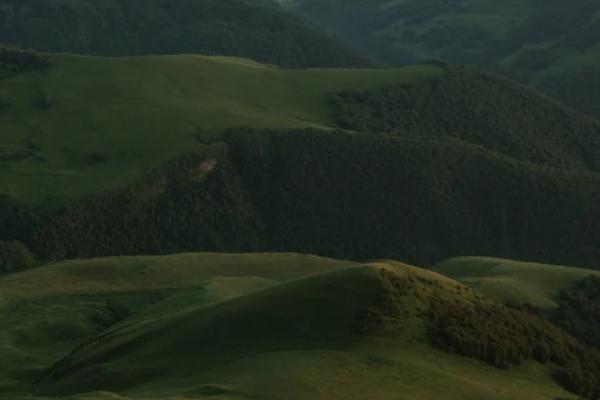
column 356, row 196
column 479, row 109
column 256, row 29
column 443, row 167
column 552, row 45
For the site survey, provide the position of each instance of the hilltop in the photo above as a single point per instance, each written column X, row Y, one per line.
column 552, row 45
column 257, row 29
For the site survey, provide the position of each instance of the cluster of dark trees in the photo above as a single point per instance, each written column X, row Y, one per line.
column 363, row 196
column 173, row 209
column 13, row 61
column 578, row 311
column 459, row 319
column 504, row 337
column 14, row 256
column 260, row 30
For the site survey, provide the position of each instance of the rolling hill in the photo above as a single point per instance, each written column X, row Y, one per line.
column 245, row 326
column 186, row 153
column 551, row 45
column 257, row 29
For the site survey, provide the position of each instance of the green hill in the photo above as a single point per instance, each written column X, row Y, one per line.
column 161, row 165
column 246, row 326
column 257, row 29
column 551, row 45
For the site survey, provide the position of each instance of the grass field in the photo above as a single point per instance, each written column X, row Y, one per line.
column 89, row 124
column 515, row 282
column 261, row 326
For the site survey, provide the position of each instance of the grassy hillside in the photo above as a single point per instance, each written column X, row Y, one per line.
column 551, row 45
column 257, row 29
column 88, row 124
column 514, row 282
column 242, row 326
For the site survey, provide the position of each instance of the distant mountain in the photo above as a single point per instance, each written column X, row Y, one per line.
column 257, row 29
column 552, row 45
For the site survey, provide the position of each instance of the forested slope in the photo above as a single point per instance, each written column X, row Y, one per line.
column 257, row 29
column 355, row 196
column 447, row 163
